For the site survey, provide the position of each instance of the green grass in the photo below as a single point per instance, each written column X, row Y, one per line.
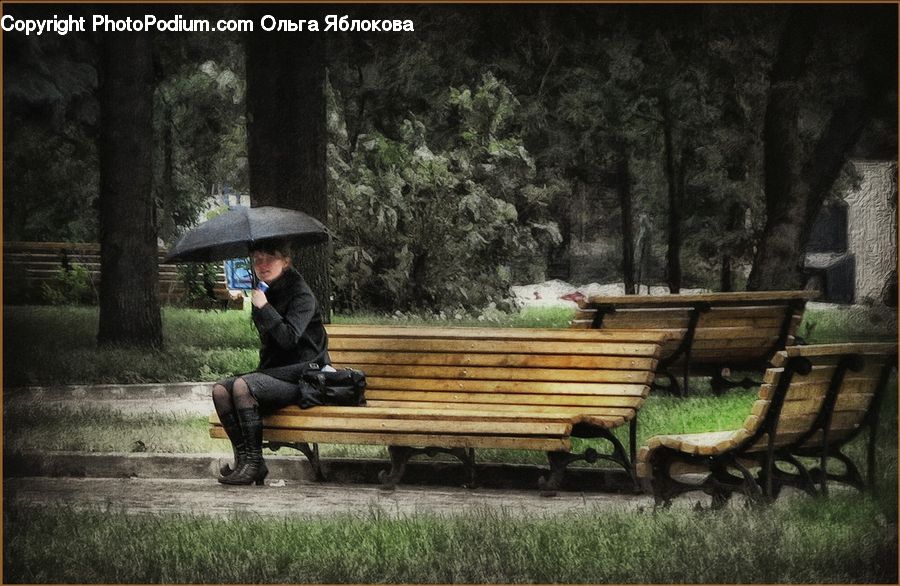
column 846, row 539
column 57, row 345
column 856, row 323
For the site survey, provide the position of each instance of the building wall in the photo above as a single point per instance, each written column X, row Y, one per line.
column 872, row 227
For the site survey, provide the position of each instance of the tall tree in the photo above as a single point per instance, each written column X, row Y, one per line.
column 50, row 120
column 821, row 46
column 287, row 135
column 129, row 291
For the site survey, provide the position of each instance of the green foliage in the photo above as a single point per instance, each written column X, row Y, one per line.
column 200, row 136
column 199, row 280
column 51, row 180
column 439, row 226
column 70, row 286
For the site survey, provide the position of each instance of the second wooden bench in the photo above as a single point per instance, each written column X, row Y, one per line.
column 708, row 333
column 814, row 400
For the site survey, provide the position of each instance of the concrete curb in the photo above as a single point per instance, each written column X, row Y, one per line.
column 33, row 463
column 135, row 392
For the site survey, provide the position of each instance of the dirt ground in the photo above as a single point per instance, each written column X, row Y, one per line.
column 297, row 499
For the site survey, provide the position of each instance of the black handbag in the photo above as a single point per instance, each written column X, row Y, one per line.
column 344, row 387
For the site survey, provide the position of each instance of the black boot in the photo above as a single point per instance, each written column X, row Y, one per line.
column 232, row 428
column 252, row 469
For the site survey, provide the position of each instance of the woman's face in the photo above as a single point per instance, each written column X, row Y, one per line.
column 269, row 267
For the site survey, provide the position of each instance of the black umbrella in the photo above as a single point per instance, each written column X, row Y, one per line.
column 231, row 234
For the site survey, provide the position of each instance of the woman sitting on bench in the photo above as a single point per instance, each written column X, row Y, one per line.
column 289, row 320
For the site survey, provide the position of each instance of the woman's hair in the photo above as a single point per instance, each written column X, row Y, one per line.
column 275, row 247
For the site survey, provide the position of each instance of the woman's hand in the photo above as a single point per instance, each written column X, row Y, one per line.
column 258, row 298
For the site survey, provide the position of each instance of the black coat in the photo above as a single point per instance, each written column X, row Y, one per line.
column 290, row 327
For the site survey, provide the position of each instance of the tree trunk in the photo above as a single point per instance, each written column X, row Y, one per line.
column 623, row 187
column 780, row 254
column 129, row 288
column 287, row 137
column 675, row 180
column 797, row 182
column 726, row 278
column 726, row 282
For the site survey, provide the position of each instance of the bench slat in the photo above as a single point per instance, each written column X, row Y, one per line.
column 347, row 331
column 446, row 411
column 742, row 297
column 477, row 373
column 409, row 439
column 510, row 388
column 808, row 390
column 347, row 357
column 873, row 349
column 587, row 401
column 823, row 371
column 454, row 426
column 539, row 410
column 489, row 346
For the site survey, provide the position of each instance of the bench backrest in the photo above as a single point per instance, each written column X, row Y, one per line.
column 604, row 375
column 738, row 328
column 29, row 264
column 846, row 379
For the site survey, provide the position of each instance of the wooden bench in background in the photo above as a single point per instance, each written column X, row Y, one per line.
column 29, row 264
column 814, row 400
column 706, row 333
column 453, row 390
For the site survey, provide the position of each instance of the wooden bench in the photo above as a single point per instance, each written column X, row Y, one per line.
column 30, row 264
column 706, row 333
column 814, row 400
column 454, row 390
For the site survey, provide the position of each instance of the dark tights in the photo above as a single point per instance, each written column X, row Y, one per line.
column 239, row 398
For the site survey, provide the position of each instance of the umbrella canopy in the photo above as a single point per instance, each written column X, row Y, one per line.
column 231, row 234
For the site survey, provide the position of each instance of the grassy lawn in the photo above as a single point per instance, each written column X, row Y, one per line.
column 56, row 345
column 847, row 538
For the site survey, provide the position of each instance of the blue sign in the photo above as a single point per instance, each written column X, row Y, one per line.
column 237, row 274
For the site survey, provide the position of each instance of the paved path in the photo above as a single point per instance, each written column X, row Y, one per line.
column 185, row 398
column 185, row 483
column 298, row 499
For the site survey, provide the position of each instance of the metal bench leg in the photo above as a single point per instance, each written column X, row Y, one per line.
column 400, row 456
column 559, row 461
column 802, row 479
column 721, row 382
column 673, row 388
column 311, row 453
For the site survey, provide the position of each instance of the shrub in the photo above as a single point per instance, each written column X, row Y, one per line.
column 422, row 225
column 199, row 280
column 70, row 286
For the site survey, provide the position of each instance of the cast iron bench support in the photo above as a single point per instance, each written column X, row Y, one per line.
column 721, row 381
column 400, row 456
column 683, row 349
column 311, row 453
column 559, row 461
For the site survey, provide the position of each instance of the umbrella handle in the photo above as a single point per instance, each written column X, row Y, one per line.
column 254, row 280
